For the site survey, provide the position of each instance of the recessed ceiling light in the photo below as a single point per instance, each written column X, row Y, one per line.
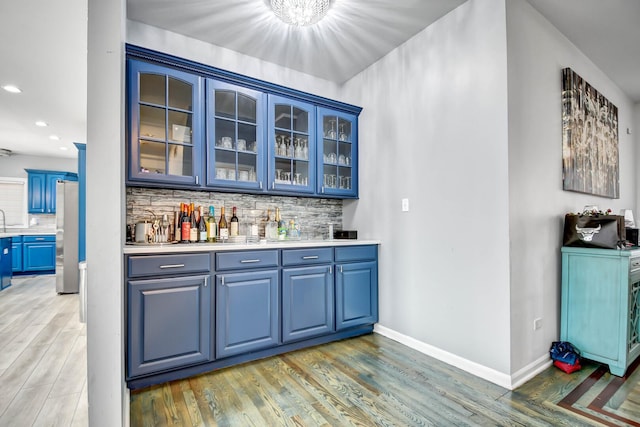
column 11, row 88
column 54, row 137
column 64, row 148
column 41, row 124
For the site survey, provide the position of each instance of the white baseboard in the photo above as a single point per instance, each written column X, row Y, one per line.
column 503, row 380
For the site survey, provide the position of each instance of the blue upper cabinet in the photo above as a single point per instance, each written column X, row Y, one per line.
column 291, row 145
column 235, row 131
column 337, row 153
column 165, row 129
column 195, row 126
column 42, row 189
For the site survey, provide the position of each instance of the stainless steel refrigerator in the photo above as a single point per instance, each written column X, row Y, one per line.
column 66, row 237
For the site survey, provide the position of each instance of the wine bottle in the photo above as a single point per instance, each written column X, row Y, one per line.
column 282, row 226
column 212, row 227
column 233, row 230
column 270, row 228
column 202, row 227
column 223, row 231
column 193, row 230
column 185, row 228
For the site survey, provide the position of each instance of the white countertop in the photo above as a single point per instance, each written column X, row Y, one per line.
column 162, row 248
column 27, row 232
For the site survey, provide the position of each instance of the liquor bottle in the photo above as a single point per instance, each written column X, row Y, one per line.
column 212, row 227
column 282, row 226
column 223, row 231
column 270, row 228
column 185, row 227
column 233, row 230
column 193, row 230
column 202, row 227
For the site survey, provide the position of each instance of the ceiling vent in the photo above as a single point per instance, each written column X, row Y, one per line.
column 4, row 152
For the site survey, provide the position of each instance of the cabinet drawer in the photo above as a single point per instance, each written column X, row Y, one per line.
column 246, row 259
column 307, row 256
column 16, row 239
column 168, row 264
column 356, row 253
column 43, row 238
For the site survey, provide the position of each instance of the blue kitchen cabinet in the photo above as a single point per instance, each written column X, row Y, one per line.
column 169, row 323
column 600, row 307
column 235, row 135
column 291, row 145
column 337, row 152
column 165, row 129
column 356, row 285
column 307, row 302
column 247, row 311
column 38, row 253
column 42, row 189
column 16, row 254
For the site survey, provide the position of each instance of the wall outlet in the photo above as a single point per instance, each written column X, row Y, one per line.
column 537, row 323
column 405, row 205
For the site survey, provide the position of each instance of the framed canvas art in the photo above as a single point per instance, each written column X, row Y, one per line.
column 590, row 161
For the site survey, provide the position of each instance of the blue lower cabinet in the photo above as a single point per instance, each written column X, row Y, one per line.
column 39, row 253
column 307, row 302
column 356, row 294
column 169, row 323
column 16, row 254
column 247, row 312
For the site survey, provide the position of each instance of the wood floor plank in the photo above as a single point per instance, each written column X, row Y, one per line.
column 25, row 406
column 51, row 363
column 57, row 411
column 81, row 412
column 73, row 374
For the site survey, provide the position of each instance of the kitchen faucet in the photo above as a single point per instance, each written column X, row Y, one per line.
column 4, row 222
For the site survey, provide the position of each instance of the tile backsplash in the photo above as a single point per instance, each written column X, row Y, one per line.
column 313, row 215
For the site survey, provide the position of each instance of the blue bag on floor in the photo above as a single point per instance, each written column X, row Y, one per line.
column 565, row 352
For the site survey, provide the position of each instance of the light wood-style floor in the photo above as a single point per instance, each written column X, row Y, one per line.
column 43, row 356
column 364, row 381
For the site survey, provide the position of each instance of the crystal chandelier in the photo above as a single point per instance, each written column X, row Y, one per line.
column 300, row 12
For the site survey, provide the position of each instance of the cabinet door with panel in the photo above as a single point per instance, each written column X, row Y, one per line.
column 235, row 135
column 39, row 253
column 291, row 145
column 169, row 323
column 165, row 131
column 307, row 302
column 16, row 254
column 356, row 286
column 247, row 312
column 337, row 153
column 42, row 189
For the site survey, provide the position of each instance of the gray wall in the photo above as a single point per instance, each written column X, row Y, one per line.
column 537, row 204
column 434, row 130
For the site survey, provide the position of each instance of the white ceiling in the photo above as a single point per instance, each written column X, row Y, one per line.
column 43, row 48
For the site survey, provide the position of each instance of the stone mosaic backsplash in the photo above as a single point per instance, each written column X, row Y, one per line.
column 313, row 215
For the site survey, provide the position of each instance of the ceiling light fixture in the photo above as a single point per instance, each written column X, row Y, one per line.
column 300, row 12
column 5, row 152
column 64, row 148
column 11, row 88
column 41, row 124
column 54, row 137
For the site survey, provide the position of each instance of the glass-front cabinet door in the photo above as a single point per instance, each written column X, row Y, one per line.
column 291, row 141
column 234, row 135
column 165, row 130
column 337, row 153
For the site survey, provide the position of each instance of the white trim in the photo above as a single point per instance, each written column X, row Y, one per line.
column 496, row 377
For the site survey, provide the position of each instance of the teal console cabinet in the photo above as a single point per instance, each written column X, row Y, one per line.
column 601, row 304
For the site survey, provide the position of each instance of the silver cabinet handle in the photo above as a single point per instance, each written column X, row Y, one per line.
column 206, row 281
column 222, row 280
column 39, row 238
column 322, row 191
column 310, row 257
column 197, row 179
column 172, row 266
column 330, row 270
column 273, row 185
column 261, row 185
column 340, row 269
column 249, row 261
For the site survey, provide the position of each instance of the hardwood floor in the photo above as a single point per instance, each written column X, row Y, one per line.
column 43, row 356
column 364, row 381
